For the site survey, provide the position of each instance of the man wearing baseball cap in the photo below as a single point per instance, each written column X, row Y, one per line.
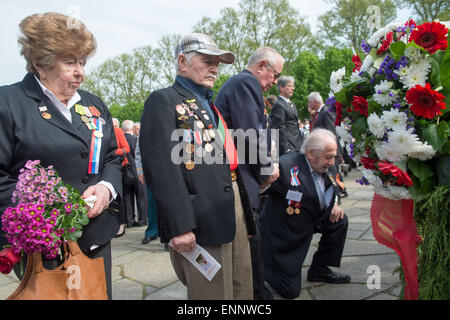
column 199, row 202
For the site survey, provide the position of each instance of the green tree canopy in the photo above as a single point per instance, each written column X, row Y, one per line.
column 273, row 23
column 349, row 21
column 427, row 10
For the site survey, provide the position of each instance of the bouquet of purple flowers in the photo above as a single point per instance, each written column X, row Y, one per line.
column 48, row 212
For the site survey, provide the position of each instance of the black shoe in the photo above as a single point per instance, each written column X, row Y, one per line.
column 120, row 234
column 330, row 277
column 147, row 239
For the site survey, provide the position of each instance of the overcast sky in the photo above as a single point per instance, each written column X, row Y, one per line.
column 119, row 26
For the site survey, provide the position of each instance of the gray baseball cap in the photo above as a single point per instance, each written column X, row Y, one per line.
column 202, row 43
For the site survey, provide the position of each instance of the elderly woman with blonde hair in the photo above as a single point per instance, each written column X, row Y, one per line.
column 47, row 117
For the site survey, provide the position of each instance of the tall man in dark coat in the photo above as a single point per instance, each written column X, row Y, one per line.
column 199, row 201
column 301, row 203
column 241, row 103
column 284, row 117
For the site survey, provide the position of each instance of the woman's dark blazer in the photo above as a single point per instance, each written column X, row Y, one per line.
column 26, row 135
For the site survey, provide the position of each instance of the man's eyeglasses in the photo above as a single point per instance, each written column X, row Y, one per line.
column 276, row 75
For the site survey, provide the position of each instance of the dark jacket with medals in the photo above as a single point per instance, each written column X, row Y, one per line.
column 285, row 232
column 185, row 165
column 26, row 135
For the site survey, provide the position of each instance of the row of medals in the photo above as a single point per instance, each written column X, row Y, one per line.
column 208, row 134
column 87, row 115
column 290, row 210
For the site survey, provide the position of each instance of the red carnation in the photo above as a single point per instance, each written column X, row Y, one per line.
column 425, row 102
column 8, row 259
column 411, row 23
column 339, row 115
column 357, row 61
column 368, row 163
column 386, row 43
column 361, row 105
column 402, row 178
column 431, row 35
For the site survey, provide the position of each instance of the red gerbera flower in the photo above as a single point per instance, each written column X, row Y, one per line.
column 402, row 178
column 425, row 102
column 360, row 105
column 386, row 43
column 431, row 35
column 357, row 61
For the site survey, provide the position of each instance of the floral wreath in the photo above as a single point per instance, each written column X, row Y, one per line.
column 392, row 113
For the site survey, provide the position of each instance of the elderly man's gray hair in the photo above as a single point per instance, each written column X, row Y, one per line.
column 317, row 140
column 127, row 125
column 264, row 53
column 315, row 96
column 188, row 56
column 284, row 80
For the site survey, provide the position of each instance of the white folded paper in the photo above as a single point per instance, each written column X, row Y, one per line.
column 90, row 201
column 202, row 260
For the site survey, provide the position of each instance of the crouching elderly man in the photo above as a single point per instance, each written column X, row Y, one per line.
column 301, row 203
column 199, row 202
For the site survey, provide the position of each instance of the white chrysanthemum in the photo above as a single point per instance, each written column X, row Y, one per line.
column 376, row 125
column 343, row 133
column 381, row 33
column 422, row 151
column 336, row 79
column 388, row 152
column 412, row 53
column 415, row 77
column 422, row 64
column 394, row 119
column 355, row 76
column 371, row 178
column 367, row 63
column 403, row 140
column 383, row 93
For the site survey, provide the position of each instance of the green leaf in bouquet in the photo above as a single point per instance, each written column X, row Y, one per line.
column 84, row 219
column 443, row 170
column 436, row 136
column 415, row 45
column 341, row 96
column 445, row 70
column 374, row 107
column 397, row 49
column 420, row 169
column 420, row 190
column 435, row 75
column 359, row 126
column 378, row 61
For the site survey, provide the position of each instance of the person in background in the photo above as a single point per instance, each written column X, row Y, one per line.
column 136, row 129
column 136, row 190
column 284, row 117
column 241, row 102
column 271, row 99
column 47, row 117
column 122, row 149
column 151, row 233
